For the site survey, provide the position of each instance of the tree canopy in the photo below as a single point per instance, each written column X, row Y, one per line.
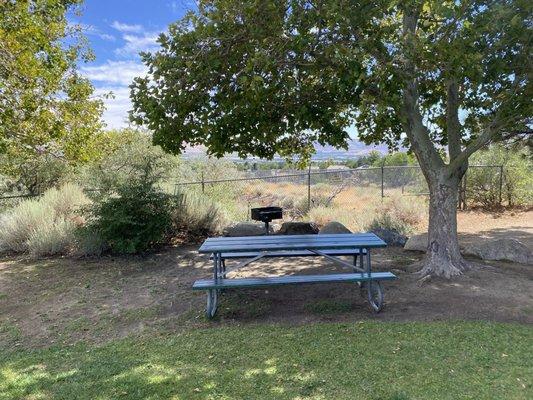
column 45, row 105
column 260, row 77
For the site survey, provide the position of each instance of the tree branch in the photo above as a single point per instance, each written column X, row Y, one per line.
column 416, row 131
column 498, row 122
column 482, row 140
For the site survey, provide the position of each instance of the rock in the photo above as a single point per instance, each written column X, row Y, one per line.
column 333, row 227
column 245, row 229
column 417, row 242
column 504, row 249
column 275, row 227
column 390, row 236
column 298, row 228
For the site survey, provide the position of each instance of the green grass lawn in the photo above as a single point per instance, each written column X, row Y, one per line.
column 368, row 360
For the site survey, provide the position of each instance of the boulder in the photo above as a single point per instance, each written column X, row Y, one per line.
column 298, row 228
column 417, row 242
column 245, row 229
column 333, row 227
column 504, row 249
column 390, row 236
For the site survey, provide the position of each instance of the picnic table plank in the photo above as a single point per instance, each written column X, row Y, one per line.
column 289, row 280
column 291, row 242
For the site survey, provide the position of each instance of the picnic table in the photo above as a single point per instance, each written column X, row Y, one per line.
column 329, row 246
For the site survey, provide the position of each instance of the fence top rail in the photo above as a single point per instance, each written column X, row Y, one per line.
column 304, row 174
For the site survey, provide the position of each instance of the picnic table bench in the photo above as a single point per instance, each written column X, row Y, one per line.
column 330, row 246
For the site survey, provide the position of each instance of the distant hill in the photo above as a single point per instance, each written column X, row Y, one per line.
column 355, row 149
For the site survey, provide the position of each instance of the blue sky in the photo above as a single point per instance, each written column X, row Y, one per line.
column 117, row 31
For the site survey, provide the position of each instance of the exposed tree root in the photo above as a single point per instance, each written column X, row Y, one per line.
column 444, row 268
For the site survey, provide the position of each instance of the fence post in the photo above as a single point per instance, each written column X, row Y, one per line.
column 203, row 182
column 501, row 183
column 309, row 188
column 382, row 183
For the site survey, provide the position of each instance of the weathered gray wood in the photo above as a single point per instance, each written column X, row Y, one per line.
column 207, row 284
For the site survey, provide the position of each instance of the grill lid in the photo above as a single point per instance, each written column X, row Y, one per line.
column 267, row 214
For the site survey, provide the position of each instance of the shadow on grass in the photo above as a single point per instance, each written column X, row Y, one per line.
column 341, row 361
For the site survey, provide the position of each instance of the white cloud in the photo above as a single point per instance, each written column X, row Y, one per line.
column 91, row 30
column 136, row 37
column 116, row 112
column 114, row 72
column 122, row 27
column 136, row 43
column 115, row 77
column 106, row 36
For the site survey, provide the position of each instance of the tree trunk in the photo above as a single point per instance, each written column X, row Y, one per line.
column 443, row 257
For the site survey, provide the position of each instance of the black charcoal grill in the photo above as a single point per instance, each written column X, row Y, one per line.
column 266, row 215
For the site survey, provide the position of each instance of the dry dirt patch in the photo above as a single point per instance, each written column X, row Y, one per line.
column 66, row 300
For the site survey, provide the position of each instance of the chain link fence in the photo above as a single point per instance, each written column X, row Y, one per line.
column 300, row 192
column 314, row 192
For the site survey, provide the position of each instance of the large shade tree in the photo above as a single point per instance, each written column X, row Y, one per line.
column 443, row 78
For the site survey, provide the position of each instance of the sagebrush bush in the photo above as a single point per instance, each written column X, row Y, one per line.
column 400, row 214
column 355, row 221
column 384, row 220
column 43, row 226
column 52, row 239
column 89, row 242
column 17, row 224
column 195, row 215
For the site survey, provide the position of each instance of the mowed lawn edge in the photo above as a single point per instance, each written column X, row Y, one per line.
column 366, row 360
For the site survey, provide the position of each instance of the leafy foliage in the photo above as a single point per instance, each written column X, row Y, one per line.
column 129, row 155
column 37, row 174
column 46, row 107
column 483, row 184
column 134, row 219
column 275, row 76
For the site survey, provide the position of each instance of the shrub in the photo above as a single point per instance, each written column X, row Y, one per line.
column 196, row 215
column 43, row 226
column 400, row 214
column 52, row 238
column 136, row 217
column 137, row 159
column 19, row 223
column 355, row 221
column 388, row 221
column 89, row 242
column 483, row 184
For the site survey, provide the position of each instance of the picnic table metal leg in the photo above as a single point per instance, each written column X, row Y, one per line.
column 374, row 289
column 212, row 294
